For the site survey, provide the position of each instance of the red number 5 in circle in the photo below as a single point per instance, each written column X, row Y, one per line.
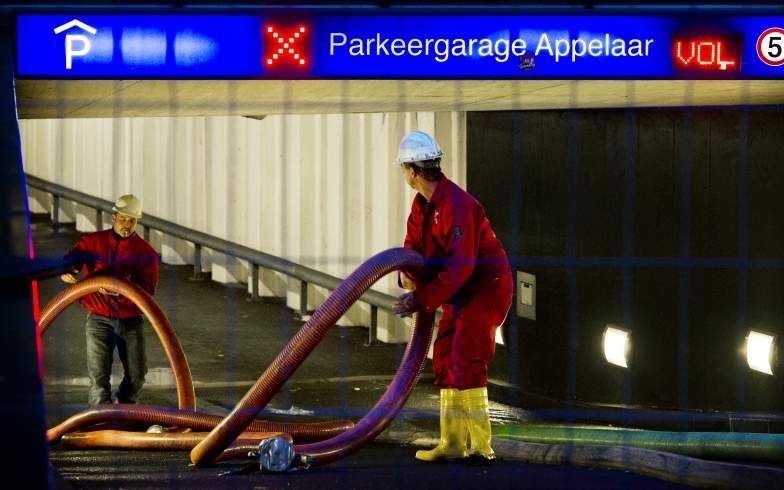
column 770, row 46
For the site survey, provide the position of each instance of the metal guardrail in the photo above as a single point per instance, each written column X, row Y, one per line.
column 256, row 258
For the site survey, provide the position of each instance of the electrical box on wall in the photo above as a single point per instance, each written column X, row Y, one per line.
column 526, row 295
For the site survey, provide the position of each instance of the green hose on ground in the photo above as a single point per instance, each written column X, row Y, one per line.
column 646, row 462
column 745, row 446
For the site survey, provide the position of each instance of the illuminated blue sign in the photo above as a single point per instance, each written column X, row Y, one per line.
column 144, row 46
column 364, row 46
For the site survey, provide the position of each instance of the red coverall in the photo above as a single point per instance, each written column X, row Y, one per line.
column 467, row 273
column 106, row 253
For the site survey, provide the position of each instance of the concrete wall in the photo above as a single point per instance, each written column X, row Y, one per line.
column 666, row 222
column 320, row 190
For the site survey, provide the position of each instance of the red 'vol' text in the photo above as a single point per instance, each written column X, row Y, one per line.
column 705, row 54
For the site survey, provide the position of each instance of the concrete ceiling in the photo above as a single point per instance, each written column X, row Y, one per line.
column 107, row 98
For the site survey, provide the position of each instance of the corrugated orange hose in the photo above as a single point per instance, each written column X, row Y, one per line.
column 301, row 432
column 185, row 417
column 186, row 396
column 303, row 343
column 167, row 441
column 222, row 443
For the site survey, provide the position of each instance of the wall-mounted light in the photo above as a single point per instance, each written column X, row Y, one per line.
column 617, row 346
column 759, row 351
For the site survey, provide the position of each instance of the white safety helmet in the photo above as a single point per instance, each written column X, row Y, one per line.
column 417, row 147
column 129, row 205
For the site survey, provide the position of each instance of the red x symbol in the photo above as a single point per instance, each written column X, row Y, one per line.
column 285, row 47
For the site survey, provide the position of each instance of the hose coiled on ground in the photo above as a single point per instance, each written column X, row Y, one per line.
column 185, row 417
column 186, row 396
column 384, row 410
column 301, row 432
column 303, row 343
column 747, row 446
column 167, row 441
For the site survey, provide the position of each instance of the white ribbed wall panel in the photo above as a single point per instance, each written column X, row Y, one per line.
column 320, row 190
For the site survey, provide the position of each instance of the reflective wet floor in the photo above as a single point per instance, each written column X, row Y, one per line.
column 229, row 341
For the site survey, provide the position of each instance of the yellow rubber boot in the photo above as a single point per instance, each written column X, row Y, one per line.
column 474, row 403
column 454, row 432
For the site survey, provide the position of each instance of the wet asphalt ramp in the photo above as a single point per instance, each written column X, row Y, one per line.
column 229, row 341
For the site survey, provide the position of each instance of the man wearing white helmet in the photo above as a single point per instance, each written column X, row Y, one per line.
column 467, row 274
column 113, row 320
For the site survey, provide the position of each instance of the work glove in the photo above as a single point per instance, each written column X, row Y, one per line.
column 70, row 277
column 405, row 305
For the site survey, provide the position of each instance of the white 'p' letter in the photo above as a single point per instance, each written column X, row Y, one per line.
column 70, row 52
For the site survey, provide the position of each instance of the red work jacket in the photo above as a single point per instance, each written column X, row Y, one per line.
column 106, row 253
column 454, row 236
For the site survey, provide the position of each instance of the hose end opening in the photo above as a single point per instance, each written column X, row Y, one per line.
column 276, row 454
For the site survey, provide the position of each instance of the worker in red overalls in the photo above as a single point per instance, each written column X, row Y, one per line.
column 467, row 274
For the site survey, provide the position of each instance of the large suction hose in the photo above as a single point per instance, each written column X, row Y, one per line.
column 709, row 445
column 658, row 464
column 305, row 432
column 228, row 439
column 306, row 339
column 385, row 410
column 302, row 432
column 246, row 444
column 186, row 396
column 167, row 441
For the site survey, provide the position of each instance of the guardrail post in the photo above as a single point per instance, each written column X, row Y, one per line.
column 146, row 233
column 98, row 219
column 373, row 329
column 254, row 288
column 197, row 273
column 303, row 300
column 55, row 211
